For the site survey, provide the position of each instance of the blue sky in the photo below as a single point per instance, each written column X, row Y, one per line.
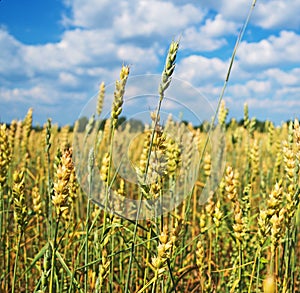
column 54, row 54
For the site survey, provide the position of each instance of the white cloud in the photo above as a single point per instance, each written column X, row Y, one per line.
column 271, row 52
column 67, row 79
column 11, row 61
column 139, row 57
column 197, row 40
column 278, row 14
column 252, row 88
column 133, row 18
column 258, row 87
column 237, row 91
column 34, row 94
column 198, row 69
column 279, row 106
column 290, row 94
column 219, row 27
column 76, row 48
column 92, row 13
column 145, row 18
column 235, row 11
column 268, row 14
column 210, row 36
column 285, row 78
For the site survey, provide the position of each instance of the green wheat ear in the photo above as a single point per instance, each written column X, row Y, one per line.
column 168, row 69
column 119, row 95
column 20, row 208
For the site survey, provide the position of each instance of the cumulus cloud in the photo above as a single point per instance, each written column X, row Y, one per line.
column 155, row 17
column 198, row 69
column 136, row 17
column 91, row 13
column 252, row 88
column 280, row 106
column 273, row 51
column 193, row 38
column 277, row 14
column 268, row 14
column 35, row 94
column 210, row 36
column 11, row 61
column 235, row 11
column 219, row 27
column 285, row 78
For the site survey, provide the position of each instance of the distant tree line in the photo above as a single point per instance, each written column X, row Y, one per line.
column 135, row 124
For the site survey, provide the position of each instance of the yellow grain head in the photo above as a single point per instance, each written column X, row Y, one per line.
column 105, row 167
column 218, row 214
column 200, row 257
column 145, row 152
column 231, row 183
column 5, row 154
column 60, row 199
column 271, row 130
column 238, row 226
column 275, row 199
column 246, row 116
column 207, row 165
column 263, row 227
column 36, row 200
column 73, row 185
column 203, row 222
column 254, row 159
column 12, row 134
column 277, row 229
column 269, row 284
column 223, row 112
column 100, row 99
column 297, row 138
column 173, row 153
column 27, row 126
column 20, row 208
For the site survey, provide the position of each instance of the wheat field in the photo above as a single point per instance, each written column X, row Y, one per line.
column 244, row 237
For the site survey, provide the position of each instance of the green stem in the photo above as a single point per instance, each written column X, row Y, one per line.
column 25, row 264
column 53, row 257
column 86, row 252
column 253, row 269
column 171, row 275
column 147, row 255
column 240, row 267
column 164, row 84
column 111, row 275
column 141, row 195
column 133, row 246
column 257, row 272
column 16, row 262
column 293, row 255
column 108, row 184
column 216, row 248
column 48, row 198
column 155, row 282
